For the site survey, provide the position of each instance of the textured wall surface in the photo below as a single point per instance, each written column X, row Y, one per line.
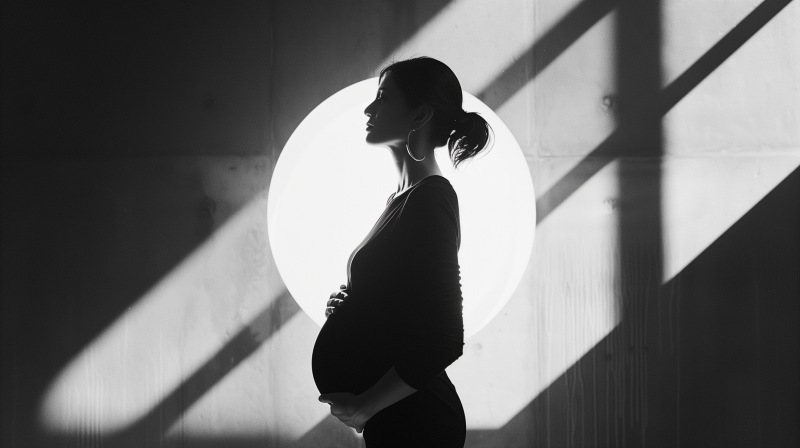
column 141, row 305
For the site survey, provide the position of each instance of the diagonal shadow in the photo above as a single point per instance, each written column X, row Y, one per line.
column 618, row 144
column 715, row 363
column 244, row 344
column 638, row 135
column 545, row 50
column 151, row 428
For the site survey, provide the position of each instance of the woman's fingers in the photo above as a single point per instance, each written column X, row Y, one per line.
column 330, row 310
column 331, row 306
column 341, row 295
column 343, row 408
column 336, row 300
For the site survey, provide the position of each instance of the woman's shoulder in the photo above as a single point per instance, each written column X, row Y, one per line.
column 434, row 186
column 432, row 193
column 431, row 207
column 431, row 188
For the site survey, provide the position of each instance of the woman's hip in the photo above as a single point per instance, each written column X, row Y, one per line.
column 420, row 420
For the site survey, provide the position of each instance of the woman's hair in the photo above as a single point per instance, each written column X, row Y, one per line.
column 427, row 81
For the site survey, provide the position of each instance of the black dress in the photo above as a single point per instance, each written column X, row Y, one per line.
column 403, row 311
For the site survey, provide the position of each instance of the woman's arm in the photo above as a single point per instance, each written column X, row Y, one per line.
column 387, row 391
column 426, row 334
column 355, row 410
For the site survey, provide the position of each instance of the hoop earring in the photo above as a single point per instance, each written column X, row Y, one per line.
column 408, row 148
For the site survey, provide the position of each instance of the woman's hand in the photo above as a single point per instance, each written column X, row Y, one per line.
column 337, row 299
column 348, row 409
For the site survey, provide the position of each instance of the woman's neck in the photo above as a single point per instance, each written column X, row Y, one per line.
column 409, row 171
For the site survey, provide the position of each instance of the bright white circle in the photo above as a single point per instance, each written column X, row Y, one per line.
column 329, row 187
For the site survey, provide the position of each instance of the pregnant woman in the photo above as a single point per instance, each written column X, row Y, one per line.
column 379, row 359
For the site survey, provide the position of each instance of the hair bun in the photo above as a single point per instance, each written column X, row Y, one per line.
column 472, row 134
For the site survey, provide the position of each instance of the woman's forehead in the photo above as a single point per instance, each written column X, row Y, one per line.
column 387, row 83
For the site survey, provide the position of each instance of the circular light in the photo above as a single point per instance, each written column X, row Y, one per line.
column 329, row 187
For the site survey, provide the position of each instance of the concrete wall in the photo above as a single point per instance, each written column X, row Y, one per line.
column 141, row 305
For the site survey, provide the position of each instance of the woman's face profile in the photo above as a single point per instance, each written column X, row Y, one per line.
column 390, row 117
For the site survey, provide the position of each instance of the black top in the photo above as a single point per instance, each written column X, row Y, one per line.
column 404, row 304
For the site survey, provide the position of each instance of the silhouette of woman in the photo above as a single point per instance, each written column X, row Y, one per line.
column 379, row 359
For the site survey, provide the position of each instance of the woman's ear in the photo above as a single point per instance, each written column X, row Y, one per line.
column 424, row 115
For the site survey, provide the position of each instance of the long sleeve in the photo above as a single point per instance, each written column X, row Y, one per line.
column 428, row 333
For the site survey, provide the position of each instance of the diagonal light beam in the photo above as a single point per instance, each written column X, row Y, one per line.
column 155, row 423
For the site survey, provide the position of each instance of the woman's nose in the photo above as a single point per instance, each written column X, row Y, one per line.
column 367, row 110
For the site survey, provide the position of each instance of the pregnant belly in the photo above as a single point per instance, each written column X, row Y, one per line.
column 346, row 354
